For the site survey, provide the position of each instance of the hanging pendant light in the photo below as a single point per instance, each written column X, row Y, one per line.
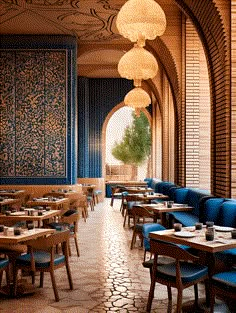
column 139, row 20
column 137, row 64
column 137, row 99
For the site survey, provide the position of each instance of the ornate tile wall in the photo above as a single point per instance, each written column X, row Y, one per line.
column 35, row 125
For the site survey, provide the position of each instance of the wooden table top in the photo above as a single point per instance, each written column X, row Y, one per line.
column 8, row 201
column 47, row 202
column 25, row 236
column 23, row 216
column 162, row 208
column 222, row 241
column 12, row 193
column 128, row 183
column 143, row 197
column 132, row 189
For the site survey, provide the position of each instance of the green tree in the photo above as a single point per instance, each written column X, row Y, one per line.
column 135, row 146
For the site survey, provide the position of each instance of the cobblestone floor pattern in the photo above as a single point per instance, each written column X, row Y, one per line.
column 107, row 277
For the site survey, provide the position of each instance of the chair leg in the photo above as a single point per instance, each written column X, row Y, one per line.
column 41, row 279
column 69, row 276
column 125, row 218
column 112, row 201
column 133, row 239
column 15, row 272
column 77, row 245
column 1, row 274
column 8, row 277
column 151, row 295
column 169, row 308
column 196, row 294
column 54, row 286
column 179, row 301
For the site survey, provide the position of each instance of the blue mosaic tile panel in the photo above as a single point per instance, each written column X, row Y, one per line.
column 35, row 127
column 7, row 114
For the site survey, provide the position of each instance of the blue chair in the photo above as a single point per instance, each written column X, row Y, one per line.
column 146, row 229
column 4, row 266
column 223, row 286
column 183, row 272
column 42, row 257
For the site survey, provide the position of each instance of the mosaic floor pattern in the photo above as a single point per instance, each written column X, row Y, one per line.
column 107, row 277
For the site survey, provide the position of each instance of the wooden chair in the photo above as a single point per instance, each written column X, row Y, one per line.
column 90, row 197
column 41, row 257
column 71, row 221
column 81, row 205
column 129, row 202
column 223, row 286
column 183, row 272
column 140, row 216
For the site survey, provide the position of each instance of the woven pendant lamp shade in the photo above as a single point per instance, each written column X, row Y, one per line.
column 139, row 20
column 137, row 64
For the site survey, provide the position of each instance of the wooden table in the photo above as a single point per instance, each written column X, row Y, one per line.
column 58, row 204
column 25, row 236
column 207, row 249
column 128, row 183
column 8, row 202
column 23, row 216
column 162, row 209
column 12, row 193
column 138, row 190
column 148, row 198
column 111, row 186
column 71, row 194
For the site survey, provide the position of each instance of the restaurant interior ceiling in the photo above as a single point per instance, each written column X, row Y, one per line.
column 93, row 22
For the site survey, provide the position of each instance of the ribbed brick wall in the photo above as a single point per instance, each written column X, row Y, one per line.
column 214, row 37
column 233, row 97
column 197, row 113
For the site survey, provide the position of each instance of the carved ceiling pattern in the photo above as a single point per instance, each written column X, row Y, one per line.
column 88, row 20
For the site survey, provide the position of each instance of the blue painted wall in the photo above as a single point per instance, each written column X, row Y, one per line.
column 96, row 98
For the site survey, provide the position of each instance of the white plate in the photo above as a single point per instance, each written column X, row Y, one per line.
column 185, row 234
column 178, row 205
column 223, row 228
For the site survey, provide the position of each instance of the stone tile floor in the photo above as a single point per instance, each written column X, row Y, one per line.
column 107, row 277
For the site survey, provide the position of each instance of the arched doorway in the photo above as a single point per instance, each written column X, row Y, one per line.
column 113, row 129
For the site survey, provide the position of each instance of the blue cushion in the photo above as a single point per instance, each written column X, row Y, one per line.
column 180, row 195
column 147, row 228
column 4, row 263
column 211, row 210
column 149, row 182
column 193, row 199
column 225, row 280
column 185, row 218
column 227, row 256
column 227, row 215
column 42, row 259
column 171, row 192
column 166, row 187
column 160, row 186
column 189, row 271
column 154, row 185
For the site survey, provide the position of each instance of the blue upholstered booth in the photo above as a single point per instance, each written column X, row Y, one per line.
column 154, row 183
column 149, row 182
column 194, row 198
